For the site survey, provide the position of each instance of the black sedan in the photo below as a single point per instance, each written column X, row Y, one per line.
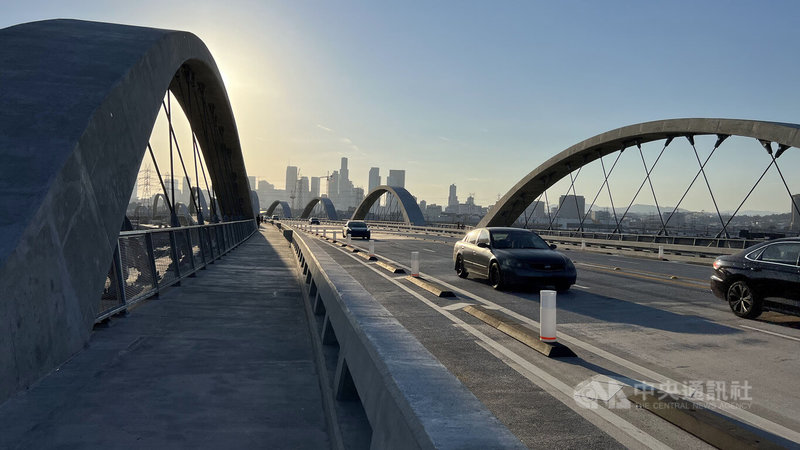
column 313, row 221
column 763, row 277
column 356, row 228
column 508, row 256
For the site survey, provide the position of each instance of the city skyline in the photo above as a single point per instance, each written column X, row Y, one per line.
column 485, row 93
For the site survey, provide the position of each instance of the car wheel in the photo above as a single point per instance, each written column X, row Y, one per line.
column 495, row 277
column 744, row 302
column 461, row 271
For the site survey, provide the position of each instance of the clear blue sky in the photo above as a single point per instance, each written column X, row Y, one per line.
column 467, row 92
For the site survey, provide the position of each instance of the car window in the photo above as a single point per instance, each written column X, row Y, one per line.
column 472, row 236
column 504, row 239
column 782, row 253
column 357, row 225
column 483, row 237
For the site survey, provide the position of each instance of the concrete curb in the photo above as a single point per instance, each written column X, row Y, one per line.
column 701, row 422
column 431, row 287
column 389, row 267
column 519, row 332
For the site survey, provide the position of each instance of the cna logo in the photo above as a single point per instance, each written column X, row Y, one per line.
column 600, row 389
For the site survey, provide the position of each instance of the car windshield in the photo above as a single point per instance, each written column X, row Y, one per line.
column 517, row 239
column 357, row 225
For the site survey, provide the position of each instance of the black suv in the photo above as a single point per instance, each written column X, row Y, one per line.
column 763, row 277
column 356, row 228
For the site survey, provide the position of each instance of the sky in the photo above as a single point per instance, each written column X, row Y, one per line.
column 476, row 93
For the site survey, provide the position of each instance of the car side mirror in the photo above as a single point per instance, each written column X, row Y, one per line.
column 553, row 246
column 483, row 245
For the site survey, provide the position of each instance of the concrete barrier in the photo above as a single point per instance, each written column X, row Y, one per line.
column 410, row 399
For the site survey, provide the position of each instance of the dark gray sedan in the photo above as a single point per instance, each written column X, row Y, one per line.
column 509, row 256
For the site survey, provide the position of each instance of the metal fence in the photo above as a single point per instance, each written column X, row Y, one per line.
column 147, row 261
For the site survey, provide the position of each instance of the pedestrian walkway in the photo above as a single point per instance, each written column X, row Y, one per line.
column 223, row 361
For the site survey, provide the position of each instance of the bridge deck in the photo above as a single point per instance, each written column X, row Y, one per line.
column 224, row 361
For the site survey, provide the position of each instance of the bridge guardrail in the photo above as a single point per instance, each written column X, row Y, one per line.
column 410, row 399
column 147, row 261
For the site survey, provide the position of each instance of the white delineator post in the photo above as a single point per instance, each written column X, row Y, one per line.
column 414, row 264
column 547, row 316
column 325, row 233
column 583, row 244
column 348, row 238
column 660, row 252
column 371, row 247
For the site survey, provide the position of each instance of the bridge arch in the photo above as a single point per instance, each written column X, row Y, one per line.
column 154, row 211
column 287, row 210
column 408, row 206
column 330, row 210
column 74, row 129
column 514, row 202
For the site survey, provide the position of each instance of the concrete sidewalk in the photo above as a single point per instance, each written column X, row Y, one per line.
column 223, row 361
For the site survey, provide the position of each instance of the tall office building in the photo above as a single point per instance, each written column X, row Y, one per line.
column 344, row 172
column 314, row 187
column 795, row 226
column 291, row 179
column 333, row 186
column 396, row 178
column 452, row 200
column 571, row 207
column 374, row 178
column 302, row 193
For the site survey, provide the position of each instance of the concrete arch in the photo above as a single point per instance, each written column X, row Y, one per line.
column 79, row 103
column 201, row 200
column 254, row 202
column 408, row 206
column 287, row 210
column 156, row 198
column 330, row 210
column 511, row 206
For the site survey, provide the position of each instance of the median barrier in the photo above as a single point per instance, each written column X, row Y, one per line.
column 409, row 398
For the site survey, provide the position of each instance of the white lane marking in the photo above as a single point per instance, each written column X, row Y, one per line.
column 581, row 287
column 771, row 332
column 455, row 306
column 667, row 384
column 521, row 363
column 429, row 250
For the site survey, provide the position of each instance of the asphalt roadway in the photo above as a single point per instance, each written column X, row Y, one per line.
column 631, row 321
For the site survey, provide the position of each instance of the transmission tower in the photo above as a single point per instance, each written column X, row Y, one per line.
column 144, row 181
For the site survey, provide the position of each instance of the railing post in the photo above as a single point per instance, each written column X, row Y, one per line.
column 188, row 232
column 173, row 244
column 151, row 256
column 118, row 275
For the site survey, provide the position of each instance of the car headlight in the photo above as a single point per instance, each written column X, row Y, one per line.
column 515, row 263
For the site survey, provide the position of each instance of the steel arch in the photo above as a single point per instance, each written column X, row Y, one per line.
column 408, row 206
column 512, row 205
column 79, row 101
column 330, row 210
column 287, row 210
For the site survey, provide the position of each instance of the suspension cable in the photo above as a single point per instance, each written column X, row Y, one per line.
column 702, row 170
column 647, row 177
column 650, row 181
column 602, row 185
column 180, row 156
column 720, row 139
column 160, row 180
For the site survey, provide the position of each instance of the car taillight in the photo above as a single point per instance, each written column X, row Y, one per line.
column 717, row 264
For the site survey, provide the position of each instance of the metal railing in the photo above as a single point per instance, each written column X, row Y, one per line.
column 147, row 261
